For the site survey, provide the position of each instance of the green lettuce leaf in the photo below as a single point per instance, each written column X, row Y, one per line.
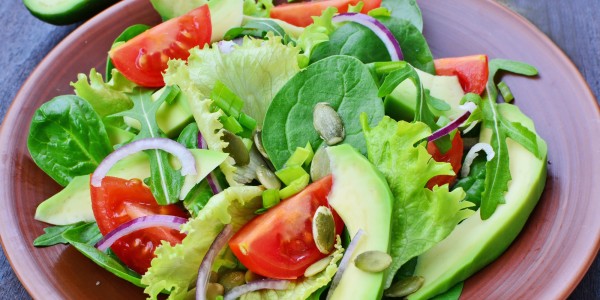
column 254, row 71
column 175, row 268
column 423, row 217
column 106, row 98
column 258, row 8
column 306, row 286
column 317, row 32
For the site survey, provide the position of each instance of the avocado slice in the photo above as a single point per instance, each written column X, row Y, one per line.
column 66, row 11
column 475, row 243
column 225, row 14
column 73, row 204
column 400, row 105
column 362, row 198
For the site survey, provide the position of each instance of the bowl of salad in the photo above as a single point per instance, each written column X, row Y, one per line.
column 379, row 150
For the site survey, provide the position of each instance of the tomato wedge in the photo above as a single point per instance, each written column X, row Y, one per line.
column 472, row 71
column 300, row 14
column 144, row 58
column 117, row 201
column 453, row 156
column 279, row 243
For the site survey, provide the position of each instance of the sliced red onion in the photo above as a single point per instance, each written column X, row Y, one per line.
column 271, row 284
column 208, row 260
column 344, row 262
column 213, row 182
column 140, row 223
column 226, row 47
column 382, row 32
column 466, row 167
column 188, row 163
column 202, row 142
column 469, row 107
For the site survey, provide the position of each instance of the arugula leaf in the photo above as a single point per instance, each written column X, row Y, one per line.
column 165, row 182
column 474, row 183
column 259, row 29
column 53, row 235
column 343, row 82
column 405, row 9
column 67, row 124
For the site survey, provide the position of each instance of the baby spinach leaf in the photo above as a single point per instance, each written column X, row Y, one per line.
column 358, row 41
column 343, row 82
column 165, row 182
column 84, row 237
column 405, row 9
column 67, row 124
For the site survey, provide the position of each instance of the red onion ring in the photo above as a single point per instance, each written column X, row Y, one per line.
column 208, row 260
column 188, row 163
column 140, row 223
column 382, row 32
column 487, row 148
column 344, row 262
column 469, row 107
column 272, row 284
column 202, row 142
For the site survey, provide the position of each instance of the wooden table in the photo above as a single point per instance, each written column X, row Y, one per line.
column 573, row 25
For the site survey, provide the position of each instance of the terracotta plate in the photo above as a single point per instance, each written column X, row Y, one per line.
column 546, row 262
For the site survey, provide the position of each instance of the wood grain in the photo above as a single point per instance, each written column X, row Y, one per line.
column 25, row 41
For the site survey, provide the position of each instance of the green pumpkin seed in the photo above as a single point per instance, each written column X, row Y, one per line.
column 214, row 290
column 236, row 148
column 267, row 178
column 320, row 166
column 232, row 279
column 258, row 143
column 251, row 276
column 373, row 261
column 328, row 124
column 317, row 267
column 323, row 229
column 405, row 287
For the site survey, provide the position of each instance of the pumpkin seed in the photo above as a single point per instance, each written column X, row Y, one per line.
column 251, row 276
column 232, row 279
column 405, row 287
column 214, row 277
column 214, row 290
column 373, row 261
column 317, row 267
column 258, row 143
column 328, row 124
column 323, row 229
column 236, row 148
column 320, row 166
column 267, row 178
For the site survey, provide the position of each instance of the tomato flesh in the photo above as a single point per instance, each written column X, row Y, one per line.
column 279, row 244
column 144, row 58
column 300, row 14
column 117, row 201
column 453, row 156
column 472, row 71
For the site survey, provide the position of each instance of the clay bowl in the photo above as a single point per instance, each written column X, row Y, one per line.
column 546, row 261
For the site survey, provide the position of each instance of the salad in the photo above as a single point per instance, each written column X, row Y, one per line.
column 301, row 151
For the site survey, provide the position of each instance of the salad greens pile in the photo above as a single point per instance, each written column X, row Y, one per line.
column 244, row 108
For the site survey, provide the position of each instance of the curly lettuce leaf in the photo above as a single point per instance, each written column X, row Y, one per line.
column 317, row 32
column 254, row 71
column 423, row 217
column 258, row 8
column 175, row 268
column 302, row 288
column 106, row 98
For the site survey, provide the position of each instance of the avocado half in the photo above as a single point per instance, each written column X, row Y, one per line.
column 474, row 243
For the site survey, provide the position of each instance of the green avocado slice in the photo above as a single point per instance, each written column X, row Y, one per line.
column 475, row 243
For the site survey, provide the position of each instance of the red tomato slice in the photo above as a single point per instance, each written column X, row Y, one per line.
column 300, row 14
column 279, row 243
column 472, row 71
column 117, row 201
column 453, row 156
column 144, row 58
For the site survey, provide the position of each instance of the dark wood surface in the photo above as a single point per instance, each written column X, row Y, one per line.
column 573, row 25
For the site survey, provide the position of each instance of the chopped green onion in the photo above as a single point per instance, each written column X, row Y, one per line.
column 299, row 157
column 231, row 124
column 290, row 174
column 247, row 121
column 311, row 154
column 270, row 198
column 229, row 102
column 505, row 91
column 294, row 187
column 260, row 211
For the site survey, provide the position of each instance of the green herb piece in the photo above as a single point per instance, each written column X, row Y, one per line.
column 165, row 181
column 53, row 235
column 343, row 82
column 289, row 174
column 294, row 187
column 505, row 91
column 474, row 183
column 189, row 136
column 261, row 211
column 301, row 156
column 405, row 10
column 231, row 124
column 67, row 125
column 127, row 34
column 270, row 198
column 247, row 121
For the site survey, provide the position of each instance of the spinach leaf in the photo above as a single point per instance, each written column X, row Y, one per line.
column 129, row 33
column 53, row 235
column 343, row 82
column 358, row 41
column 165, row 182
column 67, row 138
column 84, row 237
column 405, row 9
